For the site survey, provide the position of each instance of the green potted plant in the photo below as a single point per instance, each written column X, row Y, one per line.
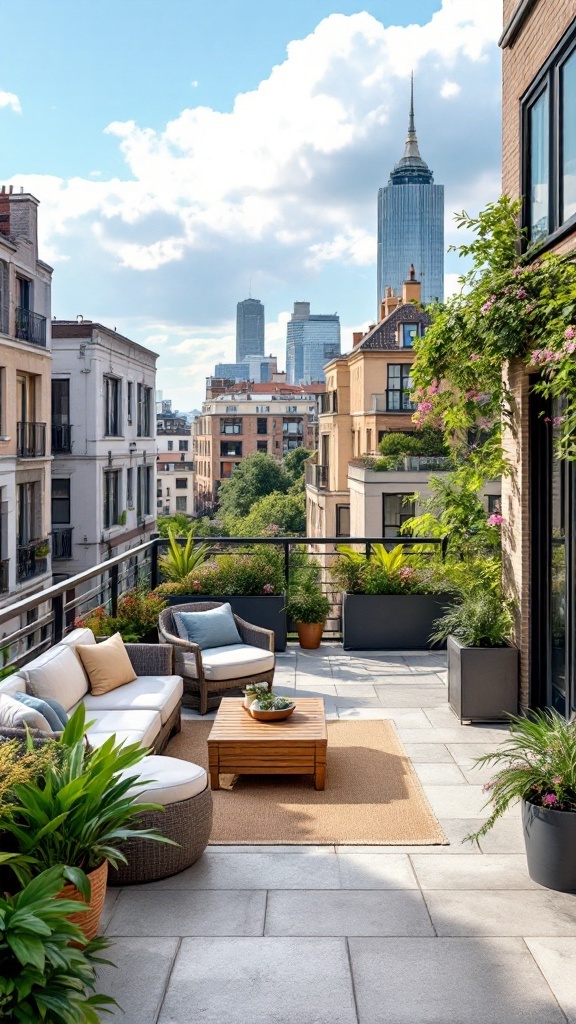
column 537, row 765
column 482, row 662
column 181, row 559
column 309, row 608
column 252, row 692
column 136, row 617
column 76, row 812
column 253, row 582
column 390, row 598
column 47, row 971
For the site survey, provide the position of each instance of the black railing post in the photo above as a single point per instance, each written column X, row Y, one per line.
column 70, row 613
column 113, row 576
column 58, row 621
column 286, row 545
column 154, row 575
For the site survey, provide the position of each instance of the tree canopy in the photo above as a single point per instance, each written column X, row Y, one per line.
column 256, row 476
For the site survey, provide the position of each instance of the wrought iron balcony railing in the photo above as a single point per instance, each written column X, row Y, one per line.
column 30, row 440
column 30, row 326
column 33, row 559
column 61, row 438
column 62, row 542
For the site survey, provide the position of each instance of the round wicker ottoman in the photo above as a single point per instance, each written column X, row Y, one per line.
column 182, row 789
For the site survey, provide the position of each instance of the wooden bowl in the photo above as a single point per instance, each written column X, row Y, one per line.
column 272, row 716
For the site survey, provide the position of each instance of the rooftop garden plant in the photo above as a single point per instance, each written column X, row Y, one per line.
column 248, row 573
column 181, row 559
column 479, row 619
column 384, row 572
column 136, row 616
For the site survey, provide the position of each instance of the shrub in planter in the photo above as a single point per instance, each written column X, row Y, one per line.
column 537, row 765
column 309, row 608
column 482, row 663
column 181, row 559
column 44, row 975
column 245, row 573
column 136, row 617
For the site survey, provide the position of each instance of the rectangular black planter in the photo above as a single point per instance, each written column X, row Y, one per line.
column 390, row 622
column 266, row 610
column 482, row 682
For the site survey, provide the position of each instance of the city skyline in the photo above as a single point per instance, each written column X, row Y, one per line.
column 163, row 192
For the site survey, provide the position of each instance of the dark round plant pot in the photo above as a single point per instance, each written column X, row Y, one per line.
column 550, row 838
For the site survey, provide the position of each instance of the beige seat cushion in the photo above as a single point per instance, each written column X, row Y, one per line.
column 168, row 780
column 57, row 674
column 149, row 693
column 107, row 664
column 135, row 726
column 235, row 661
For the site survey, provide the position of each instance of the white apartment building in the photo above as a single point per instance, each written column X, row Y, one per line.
column 104, row 444
column 174, row 466
column 25, row 363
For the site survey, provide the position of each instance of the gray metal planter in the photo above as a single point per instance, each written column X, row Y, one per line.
column 390, row 622
column 550, row 838
column 482, row 682
column 266, row 610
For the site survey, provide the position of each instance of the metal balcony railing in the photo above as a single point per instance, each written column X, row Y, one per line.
column 320, row 477
column 30, row 326
column 33, row 559
column 4, row 579
column 30, row 440
column 61, row 438
column 62, row 542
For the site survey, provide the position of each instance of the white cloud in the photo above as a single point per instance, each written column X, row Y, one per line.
column 10, row 99
column 450, row 89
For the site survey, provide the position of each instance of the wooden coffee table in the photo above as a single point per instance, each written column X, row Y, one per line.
column 239, row 745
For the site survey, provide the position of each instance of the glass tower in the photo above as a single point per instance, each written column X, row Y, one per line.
column 411, row 224
column 312, row 340
column 249, row 329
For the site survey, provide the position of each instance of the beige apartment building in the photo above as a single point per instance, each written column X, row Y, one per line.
column 25, row 365
column 539, row 164
column 239, row 419
column 174, row 465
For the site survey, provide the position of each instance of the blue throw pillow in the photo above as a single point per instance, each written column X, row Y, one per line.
column 48, row 708
column 212, row 628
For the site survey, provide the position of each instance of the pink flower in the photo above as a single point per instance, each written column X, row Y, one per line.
column 557, row 780
column 521, row 293
column 406, row 573
column 547, row 419
column 197, row 585
column 424, row 406
column 434, row 388
column 558, row 420
column 474, row 357
column 495, row 519
column 550, row 798
column 483, row 422
column 517, row 271
column 473, row 396
column 569, row 333
column 569, row 347
column 487, row 306
column 268, row 588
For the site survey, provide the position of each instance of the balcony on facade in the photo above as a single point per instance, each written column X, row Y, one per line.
column 30, row 326
column 61, row 439
column 329, row 402
column 32, row 559
column 30, row 440
column 317, row 476
column 62, row 542
column 408, row 463
column 393, row 401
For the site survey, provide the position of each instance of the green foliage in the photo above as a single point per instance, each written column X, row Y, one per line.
column 306, row 602
column 385, row 572
column 78, row 812
column 481, row 619
column 136, row 615
column 181, row 559
column 44, row 974
column 257, row 572
column 426, row 441
column 271, row 702
column 294, row 464
column 181, row 525
column 279, row 514
column 537, row 764
column 256, row 476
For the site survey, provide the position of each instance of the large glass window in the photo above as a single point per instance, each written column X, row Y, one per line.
column 230, row 425
column 568, row 79
column 112, row 395
column 539, row 169
column 342, row 520
column 396, row 509
column 409, row 335
column 261, row 425
column 60, row 501
column 144, row 491
column 111, row 497
column 144, row 397
column 399, row 387
column 228, row 448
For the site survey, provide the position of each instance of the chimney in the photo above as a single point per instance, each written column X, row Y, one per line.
column 411, row 287
column 356, row 338
column 4, row 211
column 24, row 218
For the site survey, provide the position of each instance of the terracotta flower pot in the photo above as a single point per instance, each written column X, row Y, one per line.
column 310, row 634
column 89, row 920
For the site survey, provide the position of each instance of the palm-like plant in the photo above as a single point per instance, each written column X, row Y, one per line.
column 46, row 967
column 182, row 559
column 537, row 764
column 391, row 561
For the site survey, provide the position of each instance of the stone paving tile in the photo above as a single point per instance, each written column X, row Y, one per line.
column 260, row 981
column 356, row 692
column 556, row 959
column 425, row 662
column 310, row 687
column 251, row 870
column 439, row 774
column 375, row 870
column 276, row 849
column 457, row 801
column 139, row 980
column 172, row 912
column 408, row 716
column 463, row 753
column 109, row 903
column 413, row 695
column 347, row 912
column 505, row 837
column 490, row 872
column 426, row 753
column 474, row 735
column 502, row 912
column 449, row 981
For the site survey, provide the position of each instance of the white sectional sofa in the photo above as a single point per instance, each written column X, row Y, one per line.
column 145, row 711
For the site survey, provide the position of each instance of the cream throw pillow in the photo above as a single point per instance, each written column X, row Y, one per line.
column 107, row 664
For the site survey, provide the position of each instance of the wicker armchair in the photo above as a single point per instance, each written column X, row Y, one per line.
column 193, row 664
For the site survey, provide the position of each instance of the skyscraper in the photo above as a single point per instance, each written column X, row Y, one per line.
column 312, row 340
column 249, row 329
column 411, row 224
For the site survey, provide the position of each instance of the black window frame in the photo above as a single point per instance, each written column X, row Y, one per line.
column 340, row 510
column 547, row 80
column 61, row 500
column 112, row 406
column 111, row 498
column 403, row 516
column 144, row 411
column 144, row 482
column 181, row 483
column 182, row 446
column 261, row 425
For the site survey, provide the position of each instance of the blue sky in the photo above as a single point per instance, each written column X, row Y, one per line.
column 181, row 148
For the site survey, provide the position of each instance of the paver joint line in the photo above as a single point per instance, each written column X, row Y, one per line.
column 168, row 978
column 352, row 982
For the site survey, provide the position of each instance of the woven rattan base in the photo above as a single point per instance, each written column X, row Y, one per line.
column 187, row 823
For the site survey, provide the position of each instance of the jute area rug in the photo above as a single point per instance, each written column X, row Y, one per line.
column 372, row 795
